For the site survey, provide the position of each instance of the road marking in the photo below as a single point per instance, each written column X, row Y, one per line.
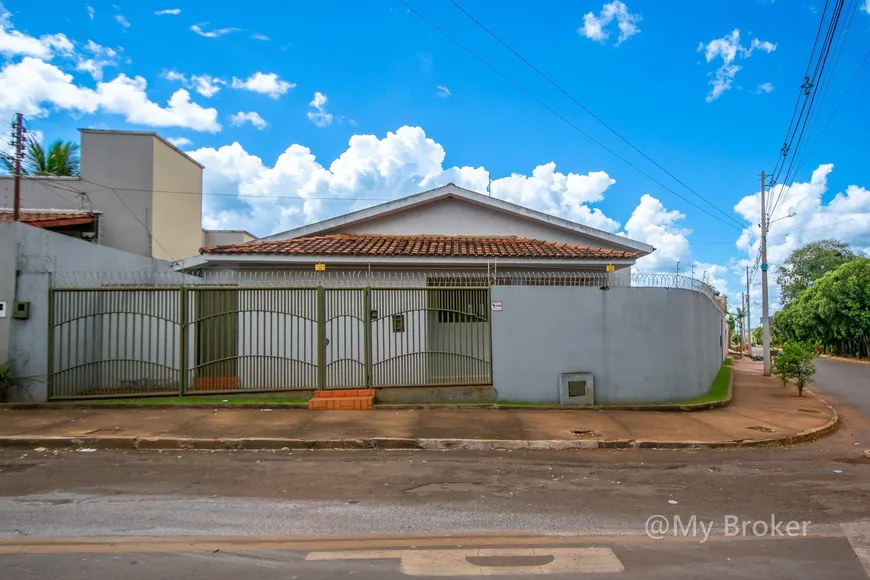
column 315, row 543
column 858, row 534
column 488, row 561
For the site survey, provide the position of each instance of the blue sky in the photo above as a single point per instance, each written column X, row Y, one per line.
column 402, row 108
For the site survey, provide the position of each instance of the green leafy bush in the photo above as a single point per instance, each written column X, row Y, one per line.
column 796, row 362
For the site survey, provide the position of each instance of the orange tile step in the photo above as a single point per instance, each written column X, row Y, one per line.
column 340, row 403
column 332, row 393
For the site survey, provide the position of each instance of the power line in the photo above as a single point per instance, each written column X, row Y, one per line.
column 560, row 116
column 810, row 88
column 836, row 109
column 591, row 114
column 57, row 185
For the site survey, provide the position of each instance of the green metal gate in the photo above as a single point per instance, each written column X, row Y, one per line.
column 111, row 342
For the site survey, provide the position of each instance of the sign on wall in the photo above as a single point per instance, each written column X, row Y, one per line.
column 496, row 306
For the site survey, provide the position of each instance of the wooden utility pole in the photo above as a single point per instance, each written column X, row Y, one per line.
column 18, row 152
column 765, row 323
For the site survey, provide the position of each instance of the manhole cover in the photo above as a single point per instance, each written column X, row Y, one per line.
column 762, row 429
column 586, row 433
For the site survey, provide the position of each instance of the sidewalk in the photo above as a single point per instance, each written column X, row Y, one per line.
column 762, row 413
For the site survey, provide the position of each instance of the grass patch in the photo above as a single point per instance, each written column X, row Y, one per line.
column 718, row 391
column 200, row 401
column 728, row 361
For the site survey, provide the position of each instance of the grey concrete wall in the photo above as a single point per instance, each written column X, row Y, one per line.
column 643, row 345
column 225, row 237
column 8, row 262
column 454, row 217
column 42, row 255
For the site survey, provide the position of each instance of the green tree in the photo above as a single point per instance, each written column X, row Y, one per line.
column 61, row 158
column 796, row 362
column 835, row 310
column 757, row 335
column 740, row 315
column 809, row 263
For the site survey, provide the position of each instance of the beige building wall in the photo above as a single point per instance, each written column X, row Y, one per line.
column 176, row 229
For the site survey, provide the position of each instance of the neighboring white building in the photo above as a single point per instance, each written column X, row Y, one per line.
column 143, row 195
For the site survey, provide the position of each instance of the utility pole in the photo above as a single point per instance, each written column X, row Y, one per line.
column 748, row 314
column 742, row 320
column 765, row 324
column 18, row 149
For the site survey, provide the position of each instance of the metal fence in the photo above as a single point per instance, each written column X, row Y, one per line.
column 136, row 340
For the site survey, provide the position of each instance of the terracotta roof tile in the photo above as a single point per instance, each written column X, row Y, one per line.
column 50, row 218
column 420, row 246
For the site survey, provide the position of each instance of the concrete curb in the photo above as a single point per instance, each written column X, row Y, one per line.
column 384, row 443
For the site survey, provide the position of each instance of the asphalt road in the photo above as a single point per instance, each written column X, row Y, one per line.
column 847, row 381
column 385, row 515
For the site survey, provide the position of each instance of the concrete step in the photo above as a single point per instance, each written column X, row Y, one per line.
column 341, row 403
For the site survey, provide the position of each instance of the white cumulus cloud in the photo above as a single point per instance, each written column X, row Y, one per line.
column 653, row 224
column 32, row 84
column 120, row 19
column 846, row 217
column 206, row 85
column 180, row 141
column 91, row 12
column 729, row 49
column 264, row 83
column 251, row 117
column 765, row 88
column 168, row 12
column 442, row 91
column 16, row 43
column 319, row 116
column 285, row 194
column 594, row 27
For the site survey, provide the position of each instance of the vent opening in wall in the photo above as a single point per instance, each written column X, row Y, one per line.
column 576, row 389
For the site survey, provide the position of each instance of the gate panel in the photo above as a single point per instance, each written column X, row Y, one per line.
column 252, row 339
column 430, row 337
column 345, row 332
column 114, row 342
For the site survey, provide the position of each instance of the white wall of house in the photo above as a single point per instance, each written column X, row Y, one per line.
column 456, row 217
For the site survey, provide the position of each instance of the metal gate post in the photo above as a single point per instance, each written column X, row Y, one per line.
column 49, row 377
column 182, row 356
column 488, row 305
column 367, row 334
column 321, row 338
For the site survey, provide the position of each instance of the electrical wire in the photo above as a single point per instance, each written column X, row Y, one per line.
column 836, row 109
column 562, row 117
column 810, row 88
column 589, row 112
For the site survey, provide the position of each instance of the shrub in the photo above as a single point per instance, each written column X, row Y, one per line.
column 796, row 362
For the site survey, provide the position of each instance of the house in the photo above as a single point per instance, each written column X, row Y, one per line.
column 135, row 192
column 447, row 229
column 393, row 295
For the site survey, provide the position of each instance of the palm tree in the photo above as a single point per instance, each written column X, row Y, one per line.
column 740, row 315
column 62, row 159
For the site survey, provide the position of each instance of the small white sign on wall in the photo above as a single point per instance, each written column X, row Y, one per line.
column 497, row 306
column 2, row 309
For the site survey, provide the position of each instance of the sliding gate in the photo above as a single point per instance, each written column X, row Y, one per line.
column 110, row 342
